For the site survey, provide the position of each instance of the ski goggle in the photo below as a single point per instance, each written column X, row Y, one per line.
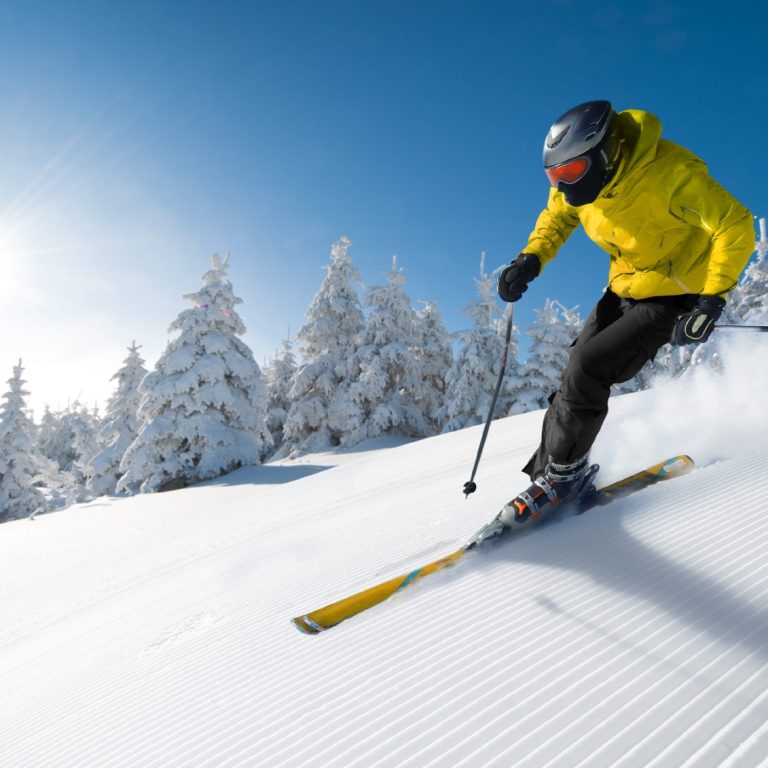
column 570, row 172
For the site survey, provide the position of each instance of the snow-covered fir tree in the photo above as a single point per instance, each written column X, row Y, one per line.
column 82, row 426
column 279, row 375
column 68, row 438
column 386, row 394
column 203, row 408
column 475, row 370
column 433, row 350
column 328, row 340
column 749, row 305
column 47, row 440
column 25, row 474
column 514, row 383
column 551, row 334
column 120, row 425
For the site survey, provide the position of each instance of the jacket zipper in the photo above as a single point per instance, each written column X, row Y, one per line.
column 677, row 279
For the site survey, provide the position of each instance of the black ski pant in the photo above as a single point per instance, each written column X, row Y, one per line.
column 619, row 337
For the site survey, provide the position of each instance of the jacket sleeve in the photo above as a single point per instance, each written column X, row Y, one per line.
column 702, row 202
column 553, row 227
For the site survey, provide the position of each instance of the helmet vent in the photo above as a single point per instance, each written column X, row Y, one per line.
column 555, row 140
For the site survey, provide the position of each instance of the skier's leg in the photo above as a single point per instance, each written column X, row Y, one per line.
column 560, row 468
column 605, row 312
column 614, row 354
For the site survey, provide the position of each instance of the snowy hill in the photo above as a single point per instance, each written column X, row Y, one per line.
column 154, row 630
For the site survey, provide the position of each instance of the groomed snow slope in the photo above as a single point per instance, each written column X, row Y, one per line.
column 154, row 631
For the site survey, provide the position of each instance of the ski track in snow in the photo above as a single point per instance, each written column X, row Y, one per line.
column 154, row 631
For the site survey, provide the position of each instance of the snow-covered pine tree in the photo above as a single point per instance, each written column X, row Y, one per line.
column 68, row 438
column 82, row 425
column 434, row 354
column 551, row 335
column 514, row 384
column 279, row 375
column 386, row 394
column 750, row 304
column 203, row 408
column 25, row 473
column 328, row 340
column 475, row 370
column 120, row 425
column 47, row 434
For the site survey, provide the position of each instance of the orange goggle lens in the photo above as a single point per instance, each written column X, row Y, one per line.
column 569, row 172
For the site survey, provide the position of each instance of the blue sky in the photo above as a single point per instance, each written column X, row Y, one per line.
column 136, row 139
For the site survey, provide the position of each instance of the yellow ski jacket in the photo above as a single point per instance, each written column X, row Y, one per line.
column 667, row 226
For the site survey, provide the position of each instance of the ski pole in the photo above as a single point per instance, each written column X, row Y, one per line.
column 470, row 486
column 731, row 327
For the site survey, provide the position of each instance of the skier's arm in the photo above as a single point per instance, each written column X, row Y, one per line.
column 701, row 201
column 553, row 227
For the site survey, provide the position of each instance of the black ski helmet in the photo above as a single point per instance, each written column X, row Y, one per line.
column 581, row 152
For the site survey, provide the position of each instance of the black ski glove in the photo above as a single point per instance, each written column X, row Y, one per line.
column 696, row 326
column 514, row 279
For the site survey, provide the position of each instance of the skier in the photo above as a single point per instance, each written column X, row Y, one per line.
column 677, row 243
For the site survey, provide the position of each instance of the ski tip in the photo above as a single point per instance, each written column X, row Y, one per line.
column 306, row 625
column 677, row 465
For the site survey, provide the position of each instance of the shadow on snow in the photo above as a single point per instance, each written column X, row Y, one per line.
column 608, row 554
column 264, row 474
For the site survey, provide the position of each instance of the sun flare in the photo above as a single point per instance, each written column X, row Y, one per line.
column 11, row 270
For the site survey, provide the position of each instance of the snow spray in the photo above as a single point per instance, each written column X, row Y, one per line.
column 711, row 412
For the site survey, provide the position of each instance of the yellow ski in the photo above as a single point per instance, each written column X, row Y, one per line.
column 327, row 617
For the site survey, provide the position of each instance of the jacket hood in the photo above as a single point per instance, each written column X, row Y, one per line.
column 639, row 133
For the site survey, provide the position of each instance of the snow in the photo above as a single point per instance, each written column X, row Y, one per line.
column 155, row 630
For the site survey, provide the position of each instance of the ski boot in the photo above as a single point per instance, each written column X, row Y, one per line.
column 559, row 483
